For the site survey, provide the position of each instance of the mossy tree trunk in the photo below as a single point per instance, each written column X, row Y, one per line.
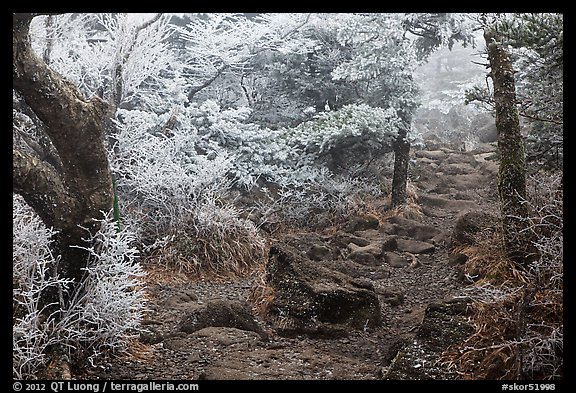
column 76, row 193
column 512, row 171
column 401, row 159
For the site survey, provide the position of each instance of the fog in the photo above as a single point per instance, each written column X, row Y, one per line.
column 443, row 80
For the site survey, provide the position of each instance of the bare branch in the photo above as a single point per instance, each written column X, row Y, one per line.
column 294, row 30
column 532, row 117
column 486, row 65
column 206, row 83
column 149, row 22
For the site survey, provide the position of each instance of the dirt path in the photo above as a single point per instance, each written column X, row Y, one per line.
column 448, row 183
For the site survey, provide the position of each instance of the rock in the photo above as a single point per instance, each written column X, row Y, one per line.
column 444, row 324
column 318, row 252
column 447, row 203
column 312, row 299
column 460, row 158
column 395, row 260
column 411, row 228
column 415, row 246
column 228, row 335
column 431, row 154
column 315, row 246
column 489, row 168
column 361, row 223
column 457, row 169
column 363, row 257
column 391, row 297
column 467, row 181
column 390, row 228
column 469, row 224
column 389, row 243
column 342, row 239
column 219, row 313
column 488, row 133
column 356, row 270
column 458, row 259
column 180, row 300
column 482, row 148
column 367, row 255
column 151, row 336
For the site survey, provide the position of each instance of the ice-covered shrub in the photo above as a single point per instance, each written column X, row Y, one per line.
column 343, row 139
column 304, row 163
column 102, row 313
column 169, row 179
column 320, row 200
column 176, row 189
column 107, row 306
column 33, row 265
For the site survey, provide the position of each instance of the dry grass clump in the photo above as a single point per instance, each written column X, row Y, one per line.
column 221, row 253
column 214, row 241
column 410, row 210
column 517, row 312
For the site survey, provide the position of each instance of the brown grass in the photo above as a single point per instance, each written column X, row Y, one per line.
column 512, row 309
column 261, row 294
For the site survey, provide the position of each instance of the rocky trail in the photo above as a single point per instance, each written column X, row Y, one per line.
column 376, row 299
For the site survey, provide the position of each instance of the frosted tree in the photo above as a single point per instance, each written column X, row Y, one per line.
column 222, row 47
column 535, row 45
column 111, row 57
column 125, row 59
column 385, row 56
column 512, row 170
column 81, row 187
column 79, row 290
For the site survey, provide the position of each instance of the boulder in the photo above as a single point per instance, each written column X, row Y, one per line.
column 415, row 246
column 487, row 133
column 444, row 324
column 470, row 224
column 371, row 254
column 365, row 255
column 446, row 202
column 342, row 239
column 315, row 246
column 355, row 269
column 219, row 313
column 431, row 154
column 411, row 228
column 396, row 260
column 361, row 223
column 317, row 252
column 315, row 300
column 390, row 296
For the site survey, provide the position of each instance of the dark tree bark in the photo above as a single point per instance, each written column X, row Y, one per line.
column 83, row 189
column 401, row 160
column 512, row 171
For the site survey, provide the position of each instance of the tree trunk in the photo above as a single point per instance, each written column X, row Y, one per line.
column 512, row 171
column 401, row 159
column 75, row 126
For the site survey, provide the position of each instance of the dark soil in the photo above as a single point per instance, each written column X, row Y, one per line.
column 416, row 323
